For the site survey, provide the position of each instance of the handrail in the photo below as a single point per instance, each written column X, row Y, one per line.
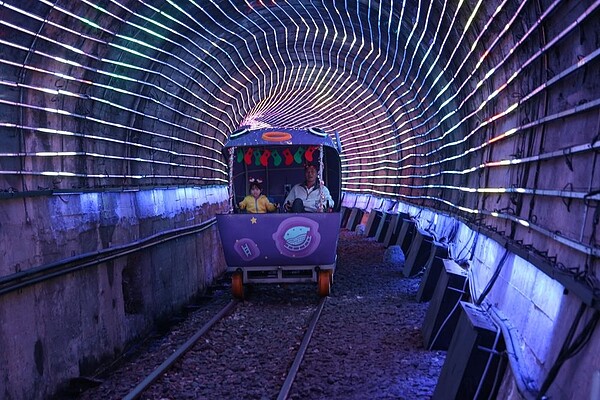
column 42, row 273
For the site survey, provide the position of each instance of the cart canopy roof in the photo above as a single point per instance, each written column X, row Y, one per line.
column 279, row 137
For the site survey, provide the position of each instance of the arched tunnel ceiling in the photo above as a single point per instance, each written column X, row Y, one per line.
column 361, row 69
column 460, row 106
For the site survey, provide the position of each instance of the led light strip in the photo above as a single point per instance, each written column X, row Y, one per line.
column 120, row 77
column 399, row 98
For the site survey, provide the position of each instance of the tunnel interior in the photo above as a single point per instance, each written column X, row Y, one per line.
column 485, row 113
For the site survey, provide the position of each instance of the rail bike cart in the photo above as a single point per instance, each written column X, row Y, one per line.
column 280, row 247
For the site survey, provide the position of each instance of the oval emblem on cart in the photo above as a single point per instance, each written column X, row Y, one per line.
column 246, row 248
column 297, row 237
column 274, row 136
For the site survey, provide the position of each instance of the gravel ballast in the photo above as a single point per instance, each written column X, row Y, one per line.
column 367, row 344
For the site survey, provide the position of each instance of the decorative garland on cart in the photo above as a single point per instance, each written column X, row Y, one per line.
column 260, row 157
column 231, row 154
column 321, row 183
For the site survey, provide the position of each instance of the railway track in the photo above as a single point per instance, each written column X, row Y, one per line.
column 367, row 344
column 244, row 332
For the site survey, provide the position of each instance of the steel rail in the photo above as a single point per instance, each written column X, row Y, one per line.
column 137, row 391
column 42, row 273
column 289, row 380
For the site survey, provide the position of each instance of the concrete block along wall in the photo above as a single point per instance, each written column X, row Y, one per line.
column 537, row 309
column 62, row 328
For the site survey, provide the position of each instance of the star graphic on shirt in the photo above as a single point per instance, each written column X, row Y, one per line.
column 253, row 220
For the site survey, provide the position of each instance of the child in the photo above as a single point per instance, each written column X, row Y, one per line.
column 256, row 202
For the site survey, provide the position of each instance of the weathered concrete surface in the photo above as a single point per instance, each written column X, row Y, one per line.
column 60, row 329
column 536, row 307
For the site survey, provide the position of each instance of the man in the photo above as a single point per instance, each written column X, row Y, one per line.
column 306, row 196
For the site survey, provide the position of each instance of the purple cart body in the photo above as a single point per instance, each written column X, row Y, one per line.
column 280, row 247
column 284, row 244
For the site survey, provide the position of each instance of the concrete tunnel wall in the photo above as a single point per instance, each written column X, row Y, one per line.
column 116, row 302
column 532, row 306
column 63, row 328
column 483, row 112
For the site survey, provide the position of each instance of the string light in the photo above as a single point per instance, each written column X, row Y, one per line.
column 415, row 98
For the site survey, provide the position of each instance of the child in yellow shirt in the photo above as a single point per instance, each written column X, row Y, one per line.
column 256, row 202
